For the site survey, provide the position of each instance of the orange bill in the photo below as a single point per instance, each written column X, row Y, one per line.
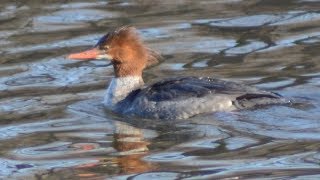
column 85, row 55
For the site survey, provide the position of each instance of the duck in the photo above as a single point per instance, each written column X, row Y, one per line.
column 171, row 98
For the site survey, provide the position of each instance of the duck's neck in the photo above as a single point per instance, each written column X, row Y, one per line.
column 119, row 88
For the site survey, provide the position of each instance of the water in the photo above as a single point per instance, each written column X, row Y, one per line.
column 52, row 124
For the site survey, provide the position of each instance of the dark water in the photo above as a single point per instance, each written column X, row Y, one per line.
column 53, row 126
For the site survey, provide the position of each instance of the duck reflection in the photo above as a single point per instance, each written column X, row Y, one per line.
column 132, row 147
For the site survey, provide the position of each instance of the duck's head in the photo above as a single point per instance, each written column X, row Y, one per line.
column 124, row 48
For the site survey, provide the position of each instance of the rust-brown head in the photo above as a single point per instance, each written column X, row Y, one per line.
column 124, row 48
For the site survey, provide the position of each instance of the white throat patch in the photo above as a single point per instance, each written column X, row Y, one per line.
column 119, row 88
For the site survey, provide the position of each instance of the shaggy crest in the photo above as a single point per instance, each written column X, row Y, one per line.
column 124, row 45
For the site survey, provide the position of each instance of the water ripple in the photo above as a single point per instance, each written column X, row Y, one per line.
column 53, row 125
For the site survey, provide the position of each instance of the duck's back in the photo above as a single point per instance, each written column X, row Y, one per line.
column 180, row 98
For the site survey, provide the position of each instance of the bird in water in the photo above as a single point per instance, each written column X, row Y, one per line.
column 172, row 98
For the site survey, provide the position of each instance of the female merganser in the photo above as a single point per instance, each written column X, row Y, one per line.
column 174, row 98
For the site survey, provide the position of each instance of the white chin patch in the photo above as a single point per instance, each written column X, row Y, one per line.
column 104, row 56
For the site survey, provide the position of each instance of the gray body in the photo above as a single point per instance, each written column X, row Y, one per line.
column 181, row 98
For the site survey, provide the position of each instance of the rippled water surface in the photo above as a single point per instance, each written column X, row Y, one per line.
column 54, row 127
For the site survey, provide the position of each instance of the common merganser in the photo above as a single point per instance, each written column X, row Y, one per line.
column 173, row 98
